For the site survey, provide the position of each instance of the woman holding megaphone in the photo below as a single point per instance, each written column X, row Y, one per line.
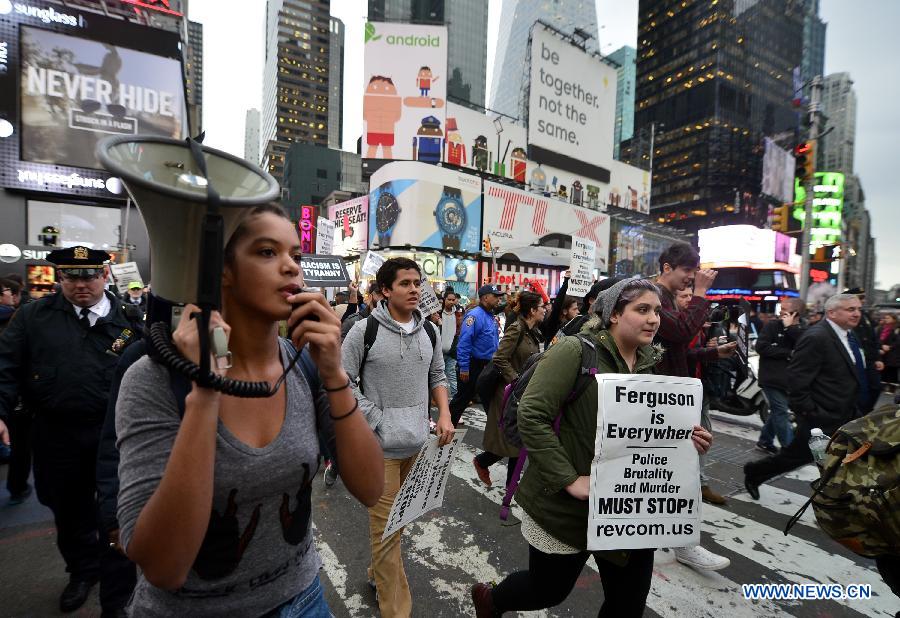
column 214, row 504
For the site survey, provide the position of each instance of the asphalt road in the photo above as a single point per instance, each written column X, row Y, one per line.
column 448, row 550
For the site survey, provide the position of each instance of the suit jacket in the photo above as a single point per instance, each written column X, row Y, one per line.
column 823, row 383
column 775, row 346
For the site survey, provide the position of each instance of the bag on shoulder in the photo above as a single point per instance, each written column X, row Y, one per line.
column 857, row 500
column 509, row 409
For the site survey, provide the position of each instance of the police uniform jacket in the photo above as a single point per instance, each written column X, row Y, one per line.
column 60, row 368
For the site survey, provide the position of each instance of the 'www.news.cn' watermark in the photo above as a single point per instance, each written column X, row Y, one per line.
column 806, row 592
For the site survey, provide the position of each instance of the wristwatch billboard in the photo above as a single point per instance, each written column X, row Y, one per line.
column 451, row 217
column 387, row 211
column 461, row 270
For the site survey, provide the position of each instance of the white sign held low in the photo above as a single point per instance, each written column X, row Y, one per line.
column 423, row 489
column 645, row 477
column 324, row 236
column 123, row 274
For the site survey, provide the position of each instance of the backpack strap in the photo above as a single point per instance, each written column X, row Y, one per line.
column 368, row 341
column 432, row 333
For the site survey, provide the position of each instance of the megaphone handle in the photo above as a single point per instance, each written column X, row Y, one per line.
column 203, row 335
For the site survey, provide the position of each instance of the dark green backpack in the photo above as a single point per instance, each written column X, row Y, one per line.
column 857, row 500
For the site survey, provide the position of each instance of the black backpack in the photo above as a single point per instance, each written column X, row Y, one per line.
column 515, row 390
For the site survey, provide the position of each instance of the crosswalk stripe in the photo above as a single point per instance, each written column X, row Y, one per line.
column 337, row 574
column 780, row 501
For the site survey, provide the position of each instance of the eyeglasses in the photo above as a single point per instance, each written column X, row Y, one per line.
column 73, row 274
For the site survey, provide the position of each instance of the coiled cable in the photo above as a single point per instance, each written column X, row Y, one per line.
column 164, row 351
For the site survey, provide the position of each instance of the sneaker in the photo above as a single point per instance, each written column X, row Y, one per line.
column 20, row 497
column 698, row 558
column 483, row 473
column 769, row 449
column 331, row 474
column 711, row 497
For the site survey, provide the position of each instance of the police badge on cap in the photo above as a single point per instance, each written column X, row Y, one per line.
column 78, row 257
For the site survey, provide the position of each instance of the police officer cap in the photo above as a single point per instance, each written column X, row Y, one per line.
column 855, row 291
column 78, row 257
column 489, row 289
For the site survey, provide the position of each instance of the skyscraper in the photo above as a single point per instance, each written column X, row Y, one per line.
column 295, row 78
column 336, row 84
column 466, row 22
column 836, row 149
column 713, row 79
column 625, row 57
column 251, row 136
column 813, row 43
column 518, row 16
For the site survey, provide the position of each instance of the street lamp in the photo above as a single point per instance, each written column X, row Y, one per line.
column 498, row 126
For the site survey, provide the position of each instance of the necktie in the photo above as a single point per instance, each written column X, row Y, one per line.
column 863, row 396
column 84, row 320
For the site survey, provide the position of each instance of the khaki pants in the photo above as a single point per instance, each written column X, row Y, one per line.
column 386, row 567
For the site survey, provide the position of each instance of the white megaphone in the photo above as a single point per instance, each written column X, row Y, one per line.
column 191, row 199
column 170, row 190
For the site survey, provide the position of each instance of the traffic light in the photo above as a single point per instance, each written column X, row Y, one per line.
column 804, row 161
column 781, row 218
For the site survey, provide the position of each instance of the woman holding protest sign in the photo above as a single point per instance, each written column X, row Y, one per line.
column 521, row 339
column 554, row 491
column 215, row 498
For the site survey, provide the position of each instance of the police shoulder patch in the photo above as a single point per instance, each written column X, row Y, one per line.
column 470, row 320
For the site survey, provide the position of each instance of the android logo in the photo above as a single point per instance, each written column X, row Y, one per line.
column 519, row 163
column 370, row 33
column 538, row 180
column 577, row 193
column 593, row 194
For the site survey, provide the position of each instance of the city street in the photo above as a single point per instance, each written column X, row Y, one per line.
column 466, row 542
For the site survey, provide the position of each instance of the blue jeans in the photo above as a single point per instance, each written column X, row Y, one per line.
column 778, row 423
column 308, row 604
column 450, row 370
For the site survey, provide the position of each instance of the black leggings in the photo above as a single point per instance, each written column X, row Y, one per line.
column 551, row 577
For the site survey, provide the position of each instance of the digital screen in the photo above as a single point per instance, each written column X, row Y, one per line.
column 76, row 91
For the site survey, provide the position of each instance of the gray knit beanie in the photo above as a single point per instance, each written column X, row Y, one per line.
column 606, row 301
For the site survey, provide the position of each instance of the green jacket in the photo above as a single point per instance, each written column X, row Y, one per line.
column 556, row 462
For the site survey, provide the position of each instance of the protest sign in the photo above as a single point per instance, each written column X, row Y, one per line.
column 324, row 271
column 428, row 300
column 645, row 477
column 123, row 274
column 373, row 263
column 423, row 489
column 582, row 267
column 324, row 236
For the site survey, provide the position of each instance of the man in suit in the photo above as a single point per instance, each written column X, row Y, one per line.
column 827, row 387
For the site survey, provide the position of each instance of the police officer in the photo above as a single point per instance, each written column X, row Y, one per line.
column 479, row 338
column 59, row 353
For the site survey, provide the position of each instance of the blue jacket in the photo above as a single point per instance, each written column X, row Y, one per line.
column 479, row 337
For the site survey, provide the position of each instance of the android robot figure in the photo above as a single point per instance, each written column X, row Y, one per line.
column 593, row 194
column 519, row 163
column 538, row 180
column 480, row 153
column 428, row 144
column 562, row 194
column 577, row 193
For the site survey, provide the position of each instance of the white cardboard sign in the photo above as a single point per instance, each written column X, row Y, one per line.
column 645, row 477
column 324, row 236
column 423, row 489
column 123, row 274
column 428, row 300
column 582, row 266
column 373, row 263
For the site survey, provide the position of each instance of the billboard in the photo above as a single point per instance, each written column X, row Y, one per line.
column 828, row 206
column 571, row 105
column 351, row 227
column 778, row 173
column 420, row 205
column 536, row 229
column 68, row 78
column 747, row 246
column 481, row 142
column 75, row 92
column 405, row 83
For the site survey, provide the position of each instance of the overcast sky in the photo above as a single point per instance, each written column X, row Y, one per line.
column 860, row 40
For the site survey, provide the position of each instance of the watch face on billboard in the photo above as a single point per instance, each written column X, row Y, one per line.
column 76, row 91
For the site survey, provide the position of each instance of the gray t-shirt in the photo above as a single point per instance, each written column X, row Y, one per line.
column 258, row 551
